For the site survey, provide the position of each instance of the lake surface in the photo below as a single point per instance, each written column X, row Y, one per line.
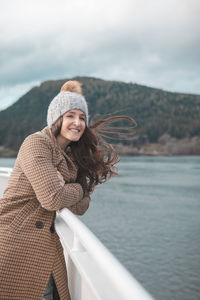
column 148, row 217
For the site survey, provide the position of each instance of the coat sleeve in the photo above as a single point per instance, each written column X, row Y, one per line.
column 80, row 207
column 35, row 158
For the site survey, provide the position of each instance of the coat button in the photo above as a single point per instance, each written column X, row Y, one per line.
column 52, row 228
column 39, row 224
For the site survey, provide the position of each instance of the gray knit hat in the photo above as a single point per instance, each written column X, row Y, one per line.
column 64, row 102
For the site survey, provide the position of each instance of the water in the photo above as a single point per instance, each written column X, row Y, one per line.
column 148, row 217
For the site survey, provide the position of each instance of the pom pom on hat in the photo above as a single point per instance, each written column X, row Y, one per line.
column 70, row 97
column 72, row 86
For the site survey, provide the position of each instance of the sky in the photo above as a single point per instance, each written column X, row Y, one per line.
column 150, row 42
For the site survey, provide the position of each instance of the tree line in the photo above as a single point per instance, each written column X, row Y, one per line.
column 156, row 111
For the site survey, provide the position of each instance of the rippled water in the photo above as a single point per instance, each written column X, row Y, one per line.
column 148, row 217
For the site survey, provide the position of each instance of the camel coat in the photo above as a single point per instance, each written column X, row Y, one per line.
column 30, row 249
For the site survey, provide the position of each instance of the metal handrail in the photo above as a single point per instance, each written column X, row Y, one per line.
column 108, row 269
column 5, row 171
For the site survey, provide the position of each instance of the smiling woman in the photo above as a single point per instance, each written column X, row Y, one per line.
column 73, row 126
column 56, row 167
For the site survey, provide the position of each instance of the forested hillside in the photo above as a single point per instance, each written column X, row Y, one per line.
column 156, row 111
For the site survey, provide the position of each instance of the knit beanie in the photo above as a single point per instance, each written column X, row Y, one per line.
column 70, row 97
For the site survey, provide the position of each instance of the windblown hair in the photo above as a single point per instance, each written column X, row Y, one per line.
column 95, row 157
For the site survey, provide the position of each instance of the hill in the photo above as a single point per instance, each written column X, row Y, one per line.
column 157, row 112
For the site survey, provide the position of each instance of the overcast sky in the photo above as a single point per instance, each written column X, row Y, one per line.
column 150, row 42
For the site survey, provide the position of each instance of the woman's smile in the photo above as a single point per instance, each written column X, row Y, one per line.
column 74, row 131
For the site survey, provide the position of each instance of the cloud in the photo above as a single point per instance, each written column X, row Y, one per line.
column 152, row 42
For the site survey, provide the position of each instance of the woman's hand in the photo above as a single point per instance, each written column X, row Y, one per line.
column 80, row 207
column 60, row 177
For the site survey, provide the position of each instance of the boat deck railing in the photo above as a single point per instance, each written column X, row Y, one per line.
column 93, row 272
column 4, row 175
column 97, row 274
column 5, row 172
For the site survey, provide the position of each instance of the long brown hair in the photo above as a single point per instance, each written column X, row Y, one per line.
column 95, row 157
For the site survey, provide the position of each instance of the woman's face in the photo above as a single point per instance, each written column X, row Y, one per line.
column 73, row 125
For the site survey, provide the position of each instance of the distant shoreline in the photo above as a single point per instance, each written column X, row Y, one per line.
column 187, row 146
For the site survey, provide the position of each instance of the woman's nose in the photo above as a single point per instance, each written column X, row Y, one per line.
column 77, row 121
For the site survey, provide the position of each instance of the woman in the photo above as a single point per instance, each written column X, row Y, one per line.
column 55, row 168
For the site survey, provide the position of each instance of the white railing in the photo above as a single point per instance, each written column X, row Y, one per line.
column 93, row 272
column 4, row 175
column 5, row 172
